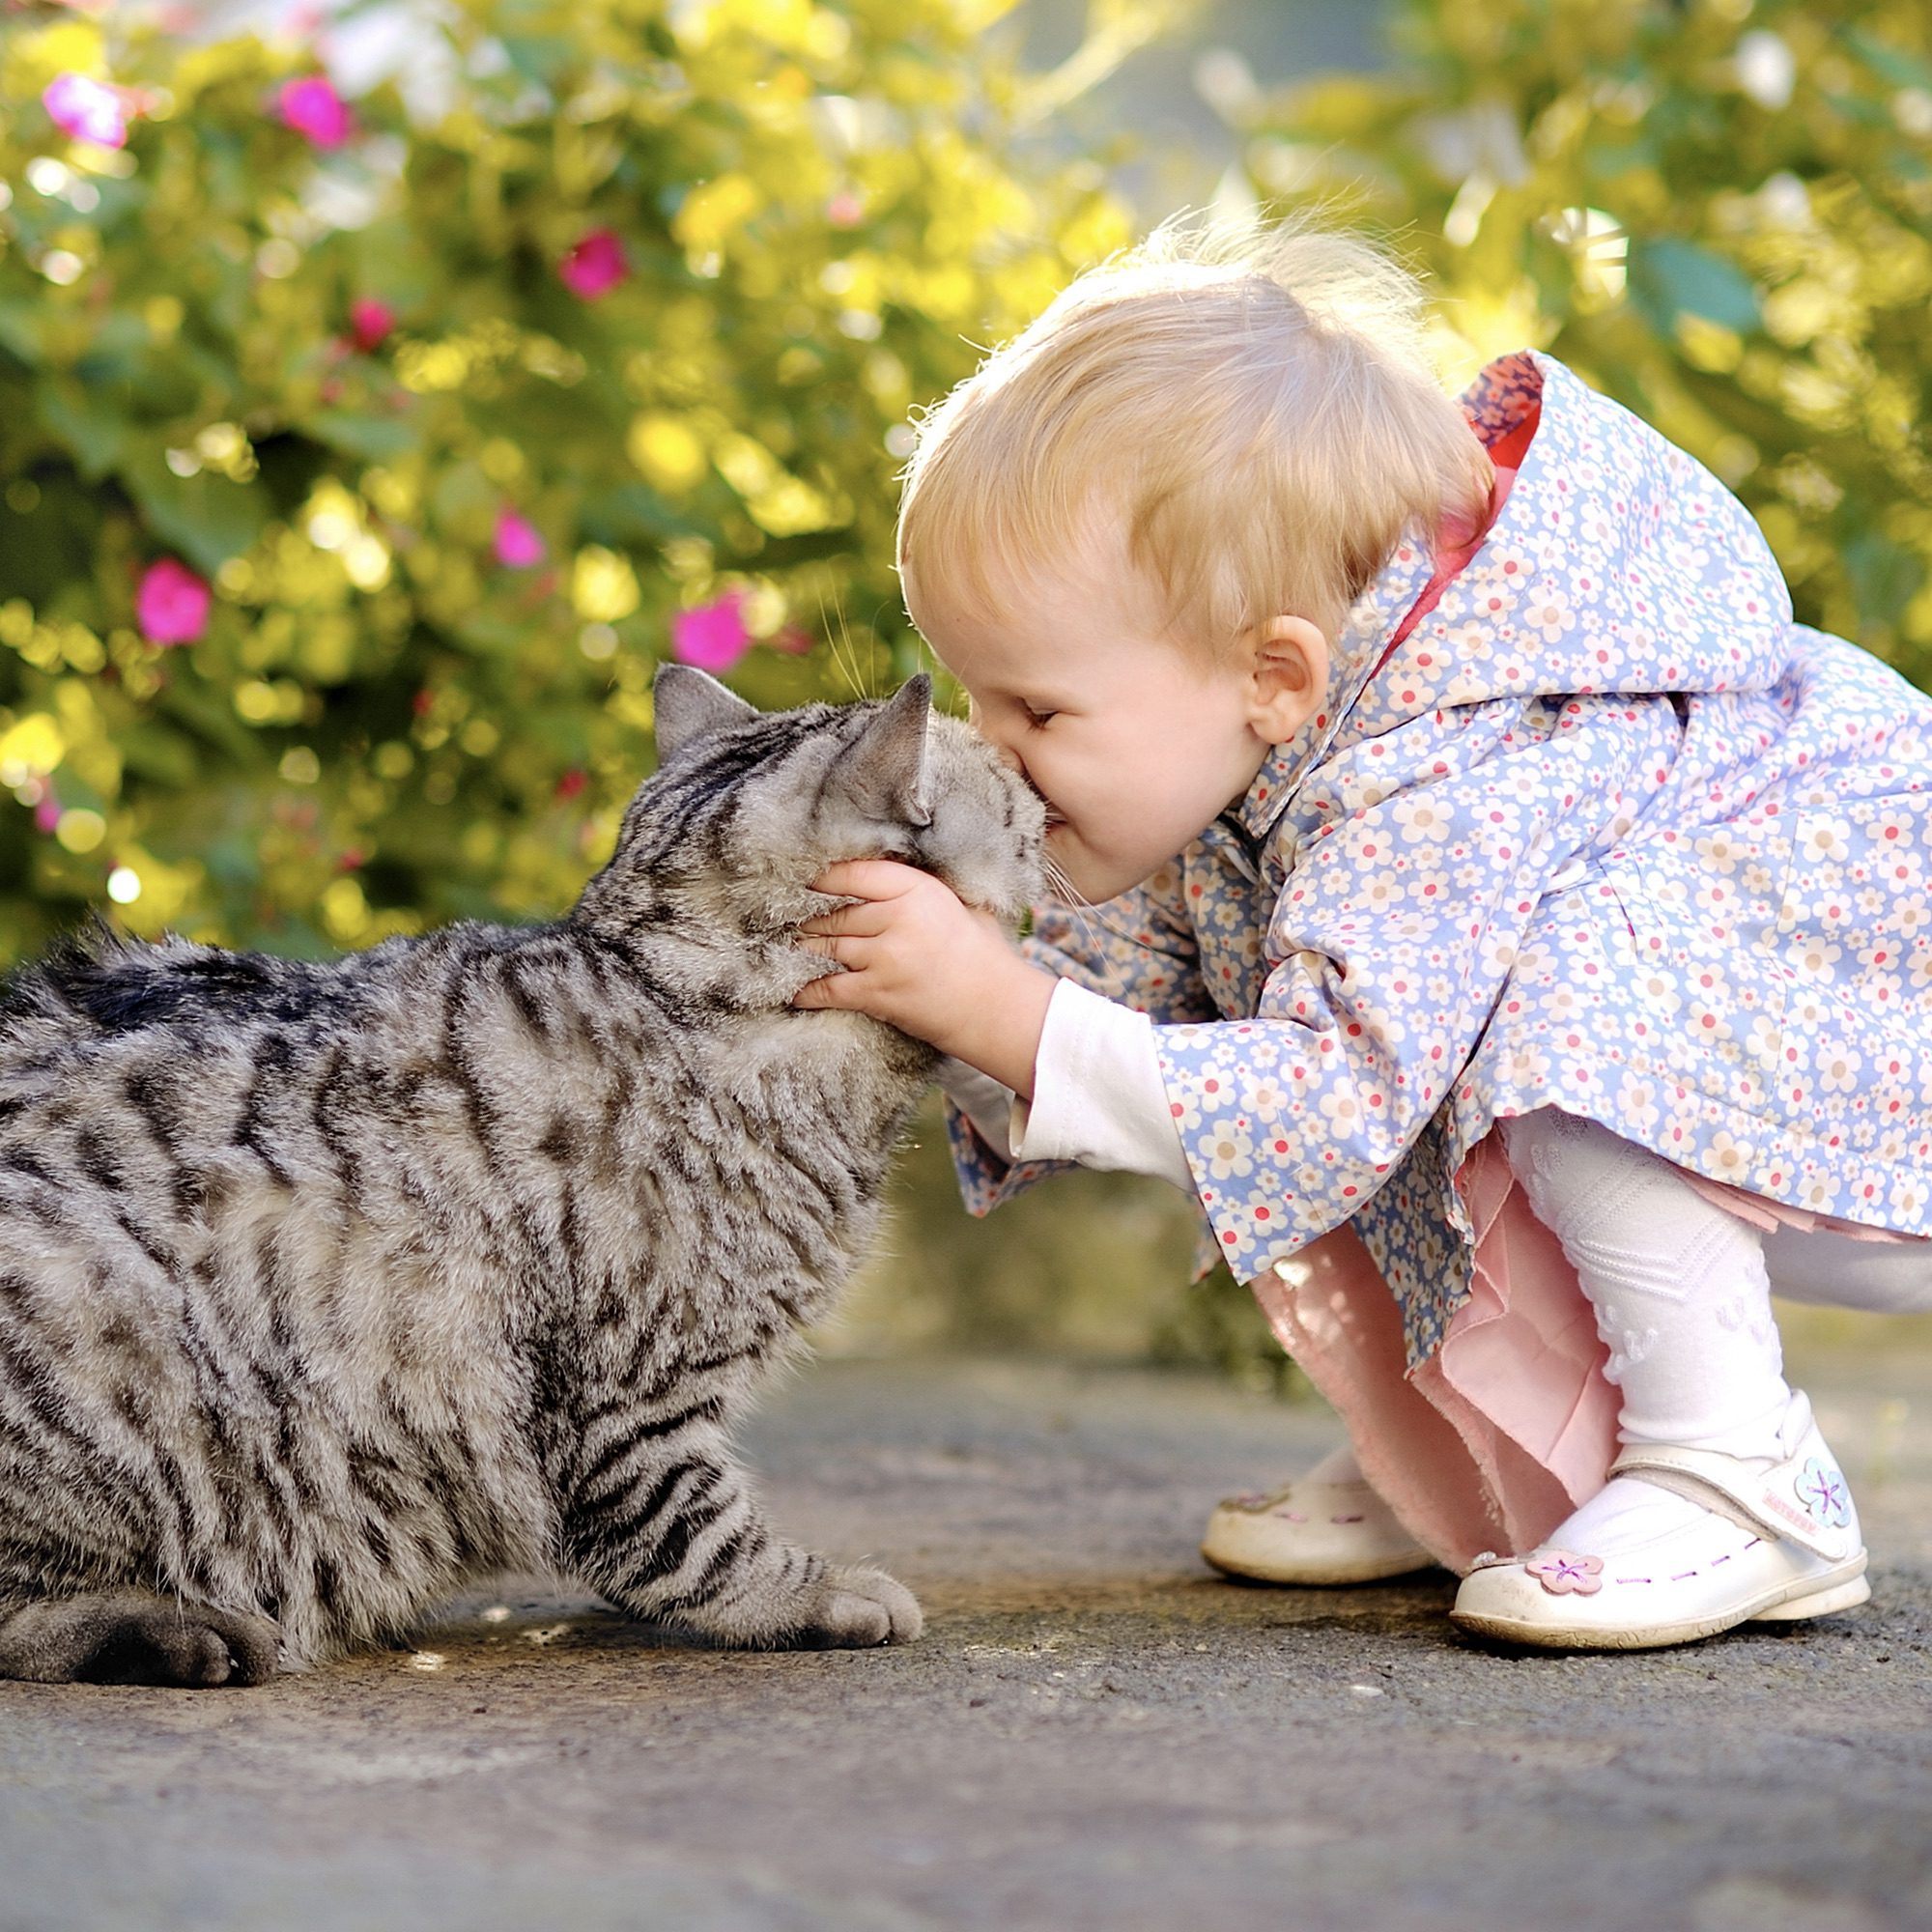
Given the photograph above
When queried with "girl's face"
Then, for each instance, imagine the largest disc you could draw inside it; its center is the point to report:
(1135, 742)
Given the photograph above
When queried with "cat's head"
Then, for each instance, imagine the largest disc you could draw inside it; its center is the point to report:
(748, 805)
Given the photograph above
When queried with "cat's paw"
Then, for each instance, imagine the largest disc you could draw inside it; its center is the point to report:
(129, 1636)
(190, 1645)
(858, 1608)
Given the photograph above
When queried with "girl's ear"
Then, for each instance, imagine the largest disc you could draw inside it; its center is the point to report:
(1291, 678)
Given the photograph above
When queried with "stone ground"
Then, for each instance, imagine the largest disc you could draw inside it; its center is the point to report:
(1095, 1732)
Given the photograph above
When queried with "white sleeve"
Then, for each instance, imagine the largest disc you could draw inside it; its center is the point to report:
(1098, 1094)
(986, 1102)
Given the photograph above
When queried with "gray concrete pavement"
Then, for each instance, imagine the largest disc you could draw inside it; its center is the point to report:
(1095, 1732)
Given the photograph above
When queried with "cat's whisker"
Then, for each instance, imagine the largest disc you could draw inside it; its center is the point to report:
(829, 622)
(844, 654)
(1086, 915)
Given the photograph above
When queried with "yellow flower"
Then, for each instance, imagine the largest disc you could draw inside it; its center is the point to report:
(668, 451)
(602, 588)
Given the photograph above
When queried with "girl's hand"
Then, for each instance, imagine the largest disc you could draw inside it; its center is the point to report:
(919, 958)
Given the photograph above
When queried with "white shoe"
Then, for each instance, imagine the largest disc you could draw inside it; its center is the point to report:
(1682, 1543)
(1328, 1527)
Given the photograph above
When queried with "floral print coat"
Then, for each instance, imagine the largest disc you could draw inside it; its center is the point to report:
(1606, 830)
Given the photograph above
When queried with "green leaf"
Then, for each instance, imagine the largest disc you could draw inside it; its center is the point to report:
(153, 751)
(1885, 576)
(541, 58)
(1669, 277)
(493, 636)
(117, 349)
(463, 494)
(20, 325)
(207, 713)
(205, 516)
(370, 438)
(81, 420)
(1891, 64)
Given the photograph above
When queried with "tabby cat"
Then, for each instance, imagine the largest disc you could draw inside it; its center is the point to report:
(326, 1288)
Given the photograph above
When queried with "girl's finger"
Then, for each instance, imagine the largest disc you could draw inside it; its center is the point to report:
(867, 878)
(850, 953)
(865, 921)
(819, 993)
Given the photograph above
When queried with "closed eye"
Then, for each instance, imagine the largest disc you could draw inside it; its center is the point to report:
(1034, 718)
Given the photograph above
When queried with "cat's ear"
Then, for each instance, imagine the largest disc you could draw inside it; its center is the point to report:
(884, 771)
(688, 704)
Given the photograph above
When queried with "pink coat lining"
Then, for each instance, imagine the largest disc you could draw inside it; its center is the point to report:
(1496, 1438)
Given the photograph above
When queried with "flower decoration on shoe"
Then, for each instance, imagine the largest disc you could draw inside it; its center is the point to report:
(1253, 1502)
(1561, 1572)
(1822, 1490)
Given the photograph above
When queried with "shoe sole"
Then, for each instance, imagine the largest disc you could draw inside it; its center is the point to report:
(1315, 1577)
(1847, 1596)
(1842, 1589)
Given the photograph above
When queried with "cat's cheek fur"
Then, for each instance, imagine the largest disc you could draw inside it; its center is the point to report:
(328, 1289)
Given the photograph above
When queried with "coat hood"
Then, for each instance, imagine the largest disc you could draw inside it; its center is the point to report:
(1617, 563)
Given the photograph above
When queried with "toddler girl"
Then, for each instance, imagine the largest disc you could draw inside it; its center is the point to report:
(1472, 888)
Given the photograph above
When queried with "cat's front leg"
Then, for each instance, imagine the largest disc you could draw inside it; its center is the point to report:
(681, 1538)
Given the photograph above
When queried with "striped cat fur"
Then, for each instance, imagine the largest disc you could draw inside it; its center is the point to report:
(328, 1289)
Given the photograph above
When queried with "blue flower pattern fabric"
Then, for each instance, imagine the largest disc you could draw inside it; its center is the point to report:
(1606, 830)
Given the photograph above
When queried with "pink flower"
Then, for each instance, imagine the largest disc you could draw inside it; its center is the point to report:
(171, 604)
(846, 209)
(86, 109)
(595, 265)
(370, 322)
(517, 544)
(314, 109)
(1562, 1571)
(46, 815)
(793, 640)
(712, 637)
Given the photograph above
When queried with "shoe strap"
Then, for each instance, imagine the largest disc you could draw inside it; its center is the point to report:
(1794, 1501)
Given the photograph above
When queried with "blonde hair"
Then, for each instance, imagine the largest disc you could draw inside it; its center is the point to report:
(1254, 402)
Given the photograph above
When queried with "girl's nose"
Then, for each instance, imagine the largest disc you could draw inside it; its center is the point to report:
(1008, 757)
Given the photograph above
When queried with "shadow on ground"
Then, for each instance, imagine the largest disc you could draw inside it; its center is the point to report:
(1095, 1732)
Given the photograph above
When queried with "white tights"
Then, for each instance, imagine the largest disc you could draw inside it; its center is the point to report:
(1682, 1290)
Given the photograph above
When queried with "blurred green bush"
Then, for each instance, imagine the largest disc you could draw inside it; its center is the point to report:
(355, 474)
(1720, 211)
